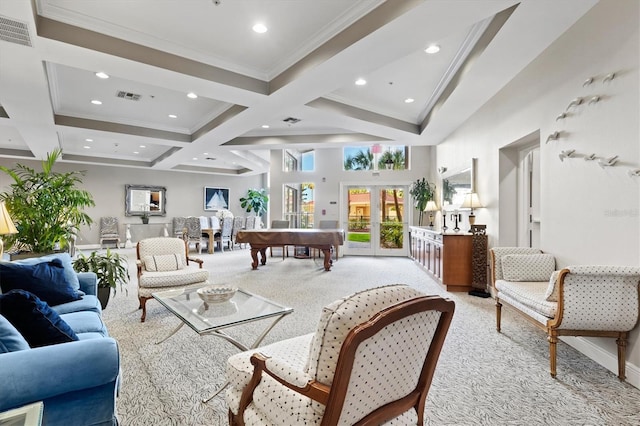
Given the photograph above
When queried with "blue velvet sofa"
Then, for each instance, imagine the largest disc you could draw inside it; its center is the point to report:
(78, 380)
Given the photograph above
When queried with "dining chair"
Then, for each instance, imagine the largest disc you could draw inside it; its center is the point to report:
(327, 224)
(194, 233)
(178, 226)
(280, 224)
(250, 223)
(238, 224)
(224, 237)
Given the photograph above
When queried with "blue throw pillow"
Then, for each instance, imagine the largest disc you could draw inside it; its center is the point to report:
(34, 319)
(71, 277)
(45, 279)
(10, 339)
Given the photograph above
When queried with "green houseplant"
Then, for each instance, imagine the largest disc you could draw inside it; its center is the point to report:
(110, 268)
(422, 191)
(46, 206)
(255, 201)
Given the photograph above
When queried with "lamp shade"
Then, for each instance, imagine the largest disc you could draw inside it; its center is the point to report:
(431, 206)
(6, 224)
(471, 201)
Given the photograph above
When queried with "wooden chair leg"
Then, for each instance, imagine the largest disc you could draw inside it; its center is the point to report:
(143, 306)
(498, 315)
(622, 346)
(553, 344)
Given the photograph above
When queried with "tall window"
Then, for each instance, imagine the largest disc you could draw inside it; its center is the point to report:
(376, 157)
(303, 161)
(299, 204)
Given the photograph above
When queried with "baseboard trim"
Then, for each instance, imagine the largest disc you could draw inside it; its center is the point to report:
(607, 359)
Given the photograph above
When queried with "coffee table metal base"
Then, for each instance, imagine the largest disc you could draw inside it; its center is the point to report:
(233, 341)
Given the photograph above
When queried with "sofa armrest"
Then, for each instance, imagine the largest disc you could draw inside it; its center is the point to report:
(297, 382)
(196, 260)
(45, 372)
(88, 282)
(597, 298)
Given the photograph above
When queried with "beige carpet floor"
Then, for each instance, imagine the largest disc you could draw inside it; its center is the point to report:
(483, 377)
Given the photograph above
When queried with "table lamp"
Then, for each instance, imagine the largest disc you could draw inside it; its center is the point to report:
(431, 207)
(471, 201)
(6, 226)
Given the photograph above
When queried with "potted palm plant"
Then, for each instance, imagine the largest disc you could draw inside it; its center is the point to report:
(110, 268)
(422, 191)
(46, 206)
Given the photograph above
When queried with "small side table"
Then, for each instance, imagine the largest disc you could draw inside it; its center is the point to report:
(27, 415)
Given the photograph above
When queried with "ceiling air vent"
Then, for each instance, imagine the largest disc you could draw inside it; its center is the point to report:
(14, 31)
(291, 120)
(128, 95)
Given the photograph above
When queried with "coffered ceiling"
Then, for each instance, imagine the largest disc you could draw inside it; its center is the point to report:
(298, 78)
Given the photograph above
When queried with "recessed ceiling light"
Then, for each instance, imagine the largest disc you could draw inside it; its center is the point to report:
(96, 102)
(259, 28)
(86, 147)
(173, 116)
(361, 82)
(143, 146)
(194, 158)
(88, 140)
(102, 75)
(265, 126)
(434, 48)
(192, 95)
(409, 100)
(136, 152)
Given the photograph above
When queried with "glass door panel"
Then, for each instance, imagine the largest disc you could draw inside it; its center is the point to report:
(392, 223)
(359, 220)
(376, 222)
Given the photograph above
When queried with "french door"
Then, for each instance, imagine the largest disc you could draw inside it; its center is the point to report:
(375, 220)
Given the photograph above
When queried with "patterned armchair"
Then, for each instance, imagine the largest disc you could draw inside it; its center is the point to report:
(586, 300)
(109, 230)
(371, 360)
(179, 223)
(163, 264)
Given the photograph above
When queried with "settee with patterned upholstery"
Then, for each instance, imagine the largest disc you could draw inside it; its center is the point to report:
(583, 300)
(163, 264)
(370, 361)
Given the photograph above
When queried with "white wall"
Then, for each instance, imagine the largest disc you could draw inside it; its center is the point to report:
(329, 174)
(185, 192)
(589, 215)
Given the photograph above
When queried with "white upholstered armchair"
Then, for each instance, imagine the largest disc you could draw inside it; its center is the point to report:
(584, 300)
(163, 264)
(371, 361)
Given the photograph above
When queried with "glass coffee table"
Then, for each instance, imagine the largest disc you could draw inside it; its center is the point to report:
(213, 318)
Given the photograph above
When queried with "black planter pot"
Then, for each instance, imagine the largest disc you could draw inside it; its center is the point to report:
(103, 296)
(145, 220)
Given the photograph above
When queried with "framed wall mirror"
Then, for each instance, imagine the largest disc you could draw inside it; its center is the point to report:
(142, 199)
(456, 185)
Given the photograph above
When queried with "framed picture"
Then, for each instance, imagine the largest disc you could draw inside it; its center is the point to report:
(216, 198)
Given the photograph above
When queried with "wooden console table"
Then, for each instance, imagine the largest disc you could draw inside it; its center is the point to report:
(446, 257)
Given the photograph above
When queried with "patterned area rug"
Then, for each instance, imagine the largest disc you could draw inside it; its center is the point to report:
(482, 378)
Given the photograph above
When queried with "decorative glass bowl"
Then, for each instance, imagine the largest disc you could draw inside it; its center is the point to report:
(216, 293)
